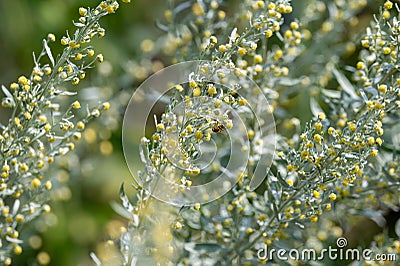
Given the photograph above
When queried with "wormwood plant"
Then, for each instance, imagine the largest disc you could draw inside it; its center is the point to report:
(344, 160)
(44, 124)
(340, 163)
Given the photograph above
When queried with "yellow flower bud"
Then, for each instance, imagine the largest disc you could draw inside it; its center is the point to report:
(332, 196)
(106, 106)
(314, 218)
(35, 183)
(82, 11)
(76, 105)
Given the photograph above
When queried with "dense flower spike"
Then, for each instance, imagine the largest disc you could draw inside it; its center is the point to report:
(40, 128)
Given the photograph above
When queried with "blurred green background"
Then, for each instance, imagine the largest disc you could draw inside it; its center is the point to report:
(82, 216)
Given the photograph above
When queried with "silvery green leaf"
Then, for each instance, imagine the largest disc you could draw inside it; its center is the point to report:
(95, 259)
(314, 106)
(195, 225)
(345, 83)
(289, 81)
(78, 24)
(371, 90)
(66, 93)
(74, 67)
(48, 52)
(183, 6)
(34, 58)
(144, 153)
(397, 228)
(125, 201)
(368, 31)
(7, 92)
(189, 246)
(16, 207)
(219, 218)
(121, 210)
(300, 225)
(232, 37)
(349, 155)
(362, 93)
(331, 93)
(161, 26)
(14, 240)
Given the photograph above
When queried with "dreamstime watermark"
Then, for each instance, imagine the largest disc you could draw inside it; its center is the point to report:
(340, 252)
(204, 106)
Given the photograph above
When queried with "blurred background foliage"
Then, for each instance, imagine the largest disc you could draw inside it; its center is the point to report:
(82, 217)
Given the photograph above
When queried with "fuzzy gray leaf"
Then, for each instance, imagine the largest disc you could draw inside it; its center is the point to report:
(48, 52)
(345, 83)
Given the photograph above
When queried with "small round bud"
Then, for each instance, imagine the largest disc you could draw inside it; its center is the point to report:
(51, 37)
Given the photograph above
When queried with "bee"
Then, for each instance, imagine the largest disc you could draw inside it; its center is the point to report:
(234, 94)
(218, 128)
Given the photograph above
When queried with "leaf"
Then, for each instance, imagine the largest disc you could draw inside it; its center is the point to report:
(34, 58)
(14, 240)
(121, 210)
(314, 106)
(219, 218)
(183, 6)
(16, 207)
(7, 92)
(289, 81)
(161, 26)
(331, 93)
(66, 93)
(232, 37)
(74, 67)
(194, 225)
(95, 259)
(397, 228)
(87, 111)
(125, 201)
(78, 24)
(371, 90)
(144, 153)
(48, 52)
(207, 247)
(365, 98)
(345, 83)
(300, 225)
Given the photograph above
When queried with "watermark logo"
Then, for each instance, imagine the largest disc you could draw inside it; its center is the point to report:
(340, 252)
(213, 105)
